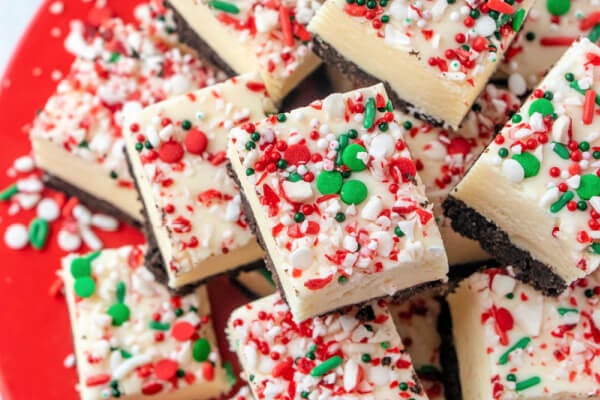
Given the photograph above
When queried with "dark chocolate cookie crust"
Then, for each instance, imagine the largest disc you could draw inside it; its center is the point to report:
(448, 357)
(188, 35)
(322, 49)
(88, 199)
(154, 260)
(473, 225)
(400, 295)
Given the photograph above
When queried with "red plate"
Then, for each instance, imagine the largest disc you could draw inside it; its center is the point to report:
(35, 334)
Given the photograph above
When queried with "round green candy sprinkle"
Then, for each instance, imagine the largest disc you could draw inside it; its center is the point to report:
(548, 95)
(224, 6)
(119, 313)
(342, 279)
(385, 19)
(178, 312)
(298, 217)
(503, 152)
(180, 373)
(282, 164)
(596, 155)
(530, 36)
(493, 14)
(531, 165)
(511, 378)
(305, 394)
(383, 126)
(516, 118)
(475, 13)
(255, 136)
(581, 205)
(371, 4)
(589, 293)
(349, 157)
(349, 1)
(113, 175)
(148, 145)
(340, 217)
(186, 124)
(589, 186)
(569, 77)
(9, 192)
(281, 117)
(407, 125)
(329, 182)
(294, 177)
(201, 350)
(38, 233)
(383, 3)
(311, 355)
(558, 7)
(403, 386)
(139, 146)
(346, 173)
(361, 2)
(250, 145)
(353, 192)
(352, 133)
(249, 171)
(80, 267)
(398, 232)
(510, 296)
(584, 146)
(326, 366)
(366, 358)
(369, 116)
(542, 106)
(466, 47)
(451, 1)
(385, 345)
(85, 286)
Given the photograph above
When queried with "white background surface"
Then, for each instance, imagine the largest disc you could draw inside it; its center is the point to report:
(14, 17)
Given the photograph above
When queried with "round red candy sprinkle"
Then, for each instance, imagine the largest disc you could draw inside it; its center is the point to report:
(297, 154)
(459, 145)
(479, 43)
(170, 152)
(196, 141)
(183, 331)
(151, 388)
(165, 369)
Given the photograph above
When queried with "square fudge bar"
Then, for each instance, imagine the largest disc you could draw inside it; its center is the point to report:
(533, 198)
(244, 36)
(193, 209)
(352, 354)
(134, 339)
(550, 28)
(337, 203)
(434, 56)
(514, 343)
(416, 320)
(77, 135)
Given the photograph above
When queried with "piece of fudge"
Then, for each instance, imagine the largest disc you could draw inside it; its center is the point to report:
(337, 203)
(434, 56)
(533, 198)
(514, 343)
(352, 354)
(193, 211)
(77, 135)
(550, 28)
(244, 36)
(132, 337)
(416, 320)
(255, 283)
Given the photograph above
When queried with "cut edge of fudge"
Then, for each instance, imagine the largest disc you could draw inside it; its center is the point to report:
(255, 283)
(472, 224)
(188, 31)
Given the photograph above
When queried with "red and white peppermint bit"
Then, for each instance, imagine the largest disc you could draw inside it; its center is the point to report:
(354, 353)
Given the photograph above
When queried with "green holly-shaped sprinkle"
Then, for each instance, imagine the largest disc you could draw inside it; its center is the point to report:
(531, 165)
(119, 311)
(589, 186)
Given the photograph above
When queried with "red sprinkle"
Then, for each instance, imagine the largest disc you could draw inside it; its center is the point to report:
(588, 107)
(557, 41)
(286, 25)
(96, 380)
(150, 388)
(165, 369)
(297, 154)
(196, 141)
(208, 371)
(183, 331)
(500, 6)
(318, 283)
(170, 152)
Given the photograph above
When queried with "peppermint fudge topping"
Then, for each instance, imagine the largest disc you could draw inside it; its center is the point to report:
(177, 149)
(337, 198)
(356, 353)
(134, 339)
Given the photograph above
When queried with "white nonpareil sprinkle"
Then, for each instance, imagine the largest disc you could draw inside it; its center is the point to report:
(16, 236)
(485, 25)
(69, 361)
(68, 241)
(48, 209)
(24, 164)
(30, 185)
(513, 171)
(517, 84)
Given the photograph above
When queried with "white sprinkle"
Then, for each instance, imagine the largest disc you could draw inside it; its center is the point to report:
(549, 197)
(27, 200)
(105, 222)
(350, 243)
(301, 258)
(24, 164)
(503, 284)
(90, 239)
(82, 214)
(152, 136)
(16, 236)
(48, 209)
(560, 128)
(537, 122)
(485, 25)
(372, 209)
(385, 243)
(30, 185)
(595, 202)
(129, 365)
(513, 171)
(517, 84)
(56, 7)
(69, 361)
(298, 191)
(596, 317)
(68, 241)
(382, 146)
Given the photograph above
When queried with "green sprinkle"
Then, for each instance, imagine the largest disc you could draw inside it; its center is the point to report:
(326, 366)
(510, 296)
(231, 378)
(350, 159)
(250, 145)
(589, 293)
(113, 175)
(371, 4)
(121, 292)
(353, 192)
(517, 19)
(125, 354)
(407, 125)
(581, 205)
(249, 171)
(282, 164)
(530, 36)
(561, 150)
(255, 136)
(594, 34)
(352, 133)
(38, 233)
(383, 126)
(369, 118)
(340, 217)
(385, 19)
(558, 7)
(294, 177)
(561, 202)
(503, 152)
(201, 350)
(120, 314)
(403, 386)
(548, 95)
(186, 124)
(224, 6)
(329, 182)
(114, 57)
(429, 370)
(385, 345)
(178, 312)
(9, 192)
(589, 186)
(80, 267)
(516, 118)
(584, 146)
(569, 77)
(342, 143)
(520, 344)
(527, 383)
(159, 326)
(366, 358)
(311, 355)
(281, 117)
(511, 377)
(298, 217)
(575, 85)
(342, 279)
(305, 394)
(181, 373)
(542, 106)
(85, 287)
(531, 165)
(148, 145)
(398, 231)
(562, 311)
(475, 13)
(139, 146)
(389, 106)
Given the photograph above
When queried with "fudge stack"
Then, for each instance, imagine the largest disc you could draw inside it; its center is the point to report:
(432, 232)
